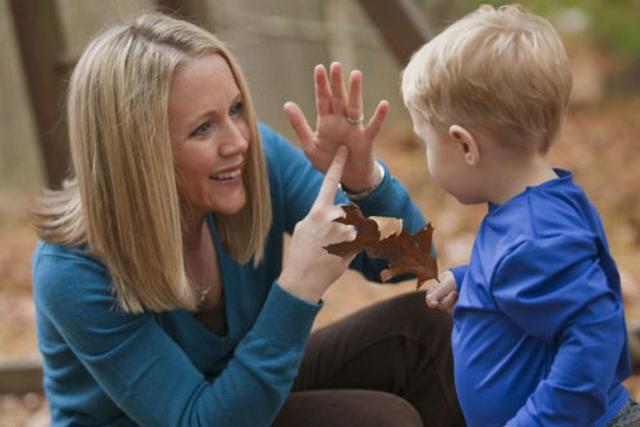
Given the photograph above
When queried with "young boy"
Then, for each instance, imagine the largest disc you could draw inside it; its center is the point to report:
(539, 337)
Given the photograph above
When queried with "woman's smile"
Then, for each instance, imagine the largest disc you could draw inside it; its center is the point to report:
(230, 175)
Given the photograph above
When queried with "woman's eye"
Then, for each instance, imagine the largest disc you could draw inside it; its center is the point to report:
(201, 130)
(236, 109)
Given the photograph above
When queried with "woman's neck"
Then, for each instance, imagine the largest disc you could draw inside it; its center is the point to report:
(194, 225)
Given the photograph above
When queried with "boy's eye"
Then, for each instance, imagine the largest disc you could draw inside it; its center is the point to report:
(201, 130)
(236, 109)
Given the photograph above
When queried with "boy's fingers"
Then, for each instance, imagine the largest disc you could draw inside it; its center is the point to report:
(449, 301)
(429, 297)
(439, 291)
(430, 301)
(332, 178)
(445, 303)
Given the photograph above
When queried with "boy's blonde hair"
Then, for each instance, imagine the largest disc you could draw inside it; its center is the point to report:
(501, 70)
(123, 201)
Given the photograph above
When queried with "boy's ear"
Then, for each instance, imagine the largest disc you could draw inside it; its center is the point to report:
(467, 143)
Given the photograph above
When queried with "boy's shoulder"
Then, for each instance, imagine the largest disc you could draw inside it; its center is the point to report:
(555, 213)
(551, 207)
(561, 207)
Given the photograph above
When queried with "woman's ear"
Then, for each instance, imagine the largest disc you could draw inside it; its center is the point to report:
(467, 144)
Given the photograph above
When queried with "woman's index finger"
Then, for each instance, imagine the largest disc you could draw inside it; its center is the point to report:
(332, 178)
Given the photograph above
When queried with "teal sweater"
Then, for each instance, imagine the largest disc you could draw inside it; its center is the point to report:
(106, 367)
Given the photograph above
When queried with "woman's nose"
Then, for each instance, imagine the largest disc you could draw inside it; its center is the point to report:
(236, 139)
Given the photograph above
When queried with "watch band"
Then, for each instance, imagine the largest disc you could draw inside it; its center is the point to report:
(364, 193)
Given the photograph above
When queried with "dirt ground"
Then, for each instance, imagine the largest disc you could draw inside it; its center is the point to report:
(599, 145)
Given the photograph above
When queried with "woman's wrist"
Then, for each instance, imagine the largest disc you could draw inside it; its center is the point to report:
(362, 193)
(299, 288)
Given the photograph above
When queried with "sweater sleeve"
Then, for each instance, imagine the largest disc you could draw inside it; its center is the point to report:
(148, 375)
(301, 184)
(555, 289)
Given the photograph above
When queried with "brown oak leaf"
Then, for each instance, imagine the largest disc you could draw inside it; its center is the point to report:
(367, 232)
(406, 253)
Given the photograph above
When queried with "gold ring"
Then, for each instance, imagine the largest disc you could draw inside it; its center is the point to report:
(357, 121)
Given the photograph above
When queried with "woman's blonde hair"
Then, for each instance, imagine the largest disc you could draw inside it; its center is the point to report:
(503, 70)
(123, 201)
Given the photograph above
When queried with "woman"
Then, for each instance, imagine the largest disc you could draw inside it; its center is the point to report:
(160, 289)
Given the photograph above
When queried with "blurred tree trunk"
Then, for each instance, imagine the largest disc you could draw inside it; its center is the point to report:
(40, 44)
(401, 23)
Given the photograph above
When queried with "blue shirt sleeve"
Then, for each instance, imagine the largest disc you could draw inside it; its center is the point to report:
(148, 375)
(555, 289)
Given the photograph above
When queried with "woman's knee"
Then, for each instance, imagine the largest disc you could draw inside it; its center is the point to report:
(353, 408)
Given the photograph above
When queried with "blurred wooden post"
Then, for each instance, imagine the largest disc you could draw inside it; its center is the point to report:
(20, 376)
(195, 11)
(40, 45)
(401, 23)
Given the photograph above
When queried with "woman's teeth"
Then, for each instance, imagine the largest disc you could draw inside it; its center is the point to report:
(227, 175)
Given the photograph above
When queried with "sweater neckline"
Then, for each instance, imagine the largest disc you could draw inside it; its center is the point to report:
(564, 177)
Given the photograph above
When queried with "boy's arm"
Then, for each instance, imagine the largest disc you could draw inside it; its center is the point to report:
(555, 289)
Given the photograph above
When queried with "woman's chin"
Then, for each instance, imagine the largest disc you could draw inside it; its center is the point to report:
(229, 206)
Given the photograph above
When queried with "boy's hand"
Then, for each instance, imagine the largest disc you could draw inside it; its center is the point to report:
(443, 295)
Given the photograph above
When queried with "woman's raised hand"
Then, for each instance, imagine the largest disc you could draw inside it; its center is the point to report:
(340, 121)
(309, 269)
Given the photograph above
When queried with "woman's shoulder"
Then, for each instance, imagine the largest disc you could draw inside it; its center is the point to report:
(276, 147)
(62, 258)
(63, 271)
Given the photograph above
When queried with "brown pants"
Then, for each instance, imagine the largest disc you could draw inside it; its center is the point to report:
(386, 365)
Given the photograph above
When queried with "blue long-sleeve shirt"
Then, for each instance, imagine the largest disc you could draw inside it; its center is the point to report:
(106, 367)
(539, 337)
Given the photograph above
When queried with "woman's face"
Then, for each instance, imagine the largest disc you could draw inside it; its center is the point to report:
(209, 135)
